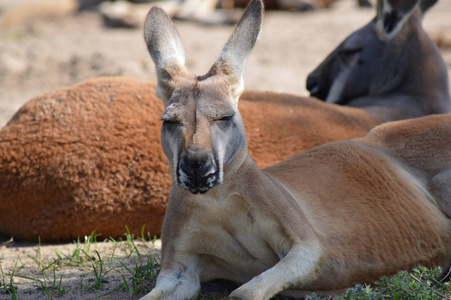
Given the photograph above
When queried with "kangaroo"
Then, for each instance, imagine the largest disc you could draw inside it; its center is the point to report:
(343, 213)
(278, 127)
(390, 67)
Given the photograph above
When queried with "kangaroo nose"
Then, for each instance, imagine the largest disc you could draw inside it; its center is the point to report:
(312, 84)
(197, 172)
(196, 168)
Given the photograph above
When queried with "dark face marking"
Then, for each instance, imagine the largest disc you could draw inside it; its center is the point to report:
(390, 20)
(251, 218)
(198, 171)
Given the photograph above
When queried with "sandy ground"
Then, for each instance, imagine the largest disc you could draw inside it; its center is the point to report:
(51, 53)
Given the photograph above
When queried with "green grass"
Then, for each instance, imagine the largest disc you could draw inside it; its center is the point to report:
(422, 283)
(130, 266)
(9, 287)
(139, 275)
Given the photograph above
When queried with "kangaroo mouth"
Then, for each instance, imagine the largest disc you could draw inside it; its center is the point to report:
(314, 92)
(319, 93)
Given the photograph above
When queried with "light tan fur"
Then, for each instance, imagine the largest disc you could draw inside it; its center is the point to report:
(342, 213)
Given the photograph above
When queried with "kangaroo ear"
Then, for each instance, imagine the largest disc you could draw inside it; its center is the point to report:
(426, 4)
(166, 49)
(393, 14)
(230, 63)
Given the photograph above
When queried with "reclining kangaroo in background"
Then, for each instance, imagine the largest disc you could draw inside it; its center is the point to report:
(390, 67)
(343, 213)
(73, 161)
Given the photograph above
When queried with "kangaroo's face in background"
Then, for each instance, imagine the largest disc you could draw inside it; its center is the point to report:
(348, 71)
(378, 58)
(202, 132)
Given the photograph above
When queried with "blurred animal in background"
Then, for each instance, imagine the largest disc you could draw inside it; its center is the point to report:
(205, 11)
(387, 67)
(130, 13)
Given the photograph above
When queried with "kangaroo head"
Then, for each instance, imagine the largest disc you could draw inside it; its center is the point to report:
(377, 58)
(202, 130)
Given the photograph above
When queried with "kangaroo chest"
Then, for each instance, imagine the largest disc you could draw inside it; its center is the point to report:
(235, 236)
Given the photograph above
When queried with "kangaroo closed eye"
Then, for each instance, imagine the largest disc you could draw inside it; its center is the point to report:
(226, 118)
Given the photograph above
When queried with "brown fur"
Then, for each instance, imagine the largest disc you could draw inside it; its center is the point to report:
(88, 157)
(380, 202)
(81, 159)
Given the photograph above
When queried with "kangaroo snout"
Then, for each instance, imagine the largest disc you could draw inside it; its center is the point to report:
(197, 171)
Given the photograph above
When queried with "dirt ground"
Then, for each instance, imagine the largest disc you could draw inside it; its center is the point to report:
(50, 53)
